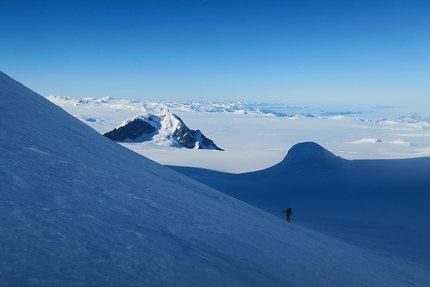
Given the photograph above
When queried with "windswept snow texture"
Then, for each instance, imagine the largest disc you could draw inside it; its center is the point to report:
(382, 205)
(79, 209)
(165, 128)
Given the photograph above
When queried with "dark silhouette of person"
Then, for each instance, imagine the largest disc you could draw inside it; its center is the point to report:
(288, 212)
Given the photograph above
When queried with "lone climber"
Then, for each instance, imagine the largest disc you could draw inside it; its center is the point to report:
(289, 212)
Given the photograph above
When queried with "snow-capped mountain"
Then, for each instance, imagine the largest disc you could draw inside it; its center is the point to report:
(164, 128)
(424, 122)
(80, 210)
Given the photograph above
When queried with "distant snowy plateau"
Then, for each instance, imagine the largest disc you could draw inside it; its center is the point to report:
(258, 135)
(78, 209)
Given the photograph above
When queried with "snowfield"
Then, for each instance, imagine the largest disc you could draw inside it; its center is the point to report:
(80, 209)
(381, 205)
(256, 136)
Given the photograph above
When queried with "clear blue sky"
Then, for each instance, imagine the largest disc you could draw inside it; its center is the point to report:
(271, 51)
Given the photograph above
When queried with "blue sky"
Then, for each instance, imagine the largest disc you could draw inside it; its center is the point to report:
(375, 52)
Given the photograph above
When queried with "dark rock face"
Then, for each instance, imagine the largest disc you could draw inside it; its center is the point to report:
(184, 136)
(133, 130)
(194, 138)
(204, 140)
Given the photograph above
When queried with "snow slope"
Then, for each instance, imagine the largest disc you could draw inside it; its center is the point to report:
(379, 204)
(79, 209)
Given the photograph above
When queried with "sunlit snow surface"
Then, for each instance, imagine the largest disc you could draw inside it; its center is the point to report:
(258, 135)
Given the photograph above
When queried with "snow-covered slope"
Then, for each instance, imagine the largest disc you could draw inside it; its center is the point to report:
(165, 128)
(379, 204)
(79, 209)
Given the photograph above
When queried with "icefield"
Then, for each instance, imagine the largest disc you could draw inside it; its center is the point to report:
(258, 135)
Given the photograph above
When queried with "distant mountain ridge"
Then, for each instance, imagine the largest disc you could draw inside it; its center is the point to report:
(251, 108)
(164, 128)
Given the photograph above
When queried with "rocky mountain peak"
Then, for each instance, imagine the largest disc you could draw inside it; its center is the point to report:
(165, 127)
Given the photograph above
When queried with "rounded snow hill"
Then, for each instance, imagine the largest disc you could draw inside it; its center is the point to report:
(311, 154)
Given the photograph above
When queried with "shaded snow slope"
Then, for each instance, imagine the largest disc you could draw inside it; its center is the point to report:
(164, 128)
(380, 204)
(79, 209)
